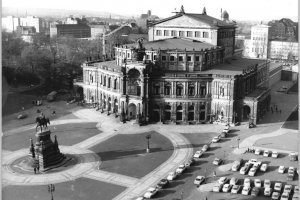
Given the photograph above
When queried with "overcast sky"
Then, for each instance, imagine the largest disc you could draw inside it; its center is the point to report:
(264, 10)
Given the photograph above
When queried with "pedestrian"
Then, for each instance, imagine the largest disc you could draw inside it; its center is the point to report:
(38, 168)
(34, 169)
(276, 108)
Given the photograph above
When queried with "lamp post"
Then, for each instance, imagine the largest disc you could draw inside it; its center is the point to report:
(238, 142)
(51, 189)
(148, 137)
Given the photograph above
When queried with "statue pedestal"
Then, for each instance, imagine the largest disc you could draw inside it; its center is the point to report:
(46, 151)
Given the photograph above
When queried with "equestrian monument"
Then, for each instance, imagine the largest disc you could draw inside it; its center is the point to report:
(46, 152)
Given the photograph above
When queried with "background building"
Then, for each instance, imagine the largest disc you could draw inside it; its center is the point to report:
(10, 23)
(284, 29)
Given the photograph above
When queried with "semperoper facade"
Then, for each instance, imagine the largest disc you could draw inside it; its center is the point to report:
(187, 73)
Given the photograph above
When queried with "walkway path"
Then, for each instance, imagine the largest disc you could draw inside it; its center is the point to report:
(89, 162)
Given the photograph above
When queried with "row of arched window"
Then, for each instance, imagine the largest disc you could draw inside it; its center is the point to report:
(179, 89)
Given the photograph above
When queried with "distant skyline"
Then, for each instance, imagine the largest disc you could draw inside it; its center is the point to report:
(255, 10)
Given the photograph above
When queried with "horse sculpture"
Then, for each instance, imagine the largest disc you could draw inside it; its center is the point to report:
(42, 122)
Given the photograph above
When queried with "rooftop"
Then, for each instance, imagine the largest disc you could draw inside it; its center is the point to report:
(176, 43)
(233, 67)
(201, 18)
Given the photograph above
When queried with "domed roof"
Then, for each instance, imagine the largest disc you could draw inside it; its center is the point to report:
(225, 15)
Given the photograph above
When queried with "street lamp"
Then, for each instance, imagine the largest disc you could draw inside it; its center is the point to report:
(148, 137)
(51, 189)
(238, 141)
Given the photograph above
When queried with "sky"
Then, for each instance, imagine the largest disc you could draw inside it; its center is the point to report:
(256, 10)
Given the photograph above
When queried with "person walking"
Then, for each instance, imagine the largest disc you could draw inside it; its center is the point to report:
(34, 169)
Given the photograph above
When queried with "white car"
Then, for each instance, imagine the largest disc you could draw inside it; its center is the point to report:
(291, 170)
(180, 169)
(217, 161)
(246, 190)
(267, 183)
(233, 181)
(252, 161)
(275, 195)
(227, 187)
(140, 198)
(247, 182)
(171, 176)
(199, 180)
(275, 154)
(236, 165)
(205, 148)
(252, 171)
(257, 151)
(285, 196)
(150, 193)
(235, 189)
(287, 189)
(215, 139)
(264, 167)
(296, 189)
(198, 154)
(217, 187)
(257, 183)
(295, 196)
(226, 129)
(278, 187)
(223, 180)
(268, 191)
(281, 169)
(266, 153)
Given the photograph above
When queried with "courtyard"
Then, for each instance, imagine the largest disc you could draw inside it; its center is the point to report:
(122, 169)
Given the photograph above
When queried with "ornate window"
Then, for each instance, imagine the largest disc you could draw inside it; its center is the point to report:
(179, 90)
(202, 89)
(173, 33)
(156, 89)
(167, 89)
(222, 90)
(108, 84)
(191, 90)
(104, 81)
(158, 32)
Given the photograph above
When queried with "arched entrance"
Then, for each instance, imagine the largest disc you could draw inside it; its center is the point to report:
(134, 83)
(191, 113)
(109, 104)
(167, 114)
(132, 111)
(179, 113)
(156, 115)
(246, 112)
(115, 106)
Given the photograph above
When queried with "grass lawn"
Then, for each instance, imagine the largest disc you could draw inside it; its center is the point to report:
(126, 154)
(80, 189)
(67, 134)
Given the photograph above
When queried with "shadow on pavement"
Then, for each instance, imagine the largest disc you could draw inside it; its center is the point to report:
(164, 193)
(175, 184)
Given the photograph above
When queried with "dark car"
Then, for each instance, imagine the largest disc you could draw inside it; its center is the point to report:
(162, 184)
(255, 191)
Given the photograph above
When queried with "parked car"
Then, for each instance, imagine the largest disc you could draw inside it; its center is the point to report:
(287, 189)
(255, 191)
(290, 176)
(233, 181)
(140, 198)
(253, 161)
(295, 196)
(268, 191)
(180, 169)
(227, 187)
(171, 176)
(296, 189)
(291, 169)
(257, 183)
(217, 187)
(150, 193)
(235, 189)
(226, 129)
(275, 154)
(275, 195)
(244, 170)
(198, 154)
(278, 187)
(252, 171)
(281, 169)
(247, 182)
(199, 180)
(257, 152)
(162, 184)
(266, 153)
(267, 183)
(205, 148)
(246, 190)
(236, 165)
(223, 180)
(264, 167)
(217, 161)
(215, 139)
(285, 196)
(293, 156)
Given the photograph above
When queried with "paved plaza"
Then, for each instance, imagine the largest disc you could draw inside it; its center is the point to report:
(94, 137)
